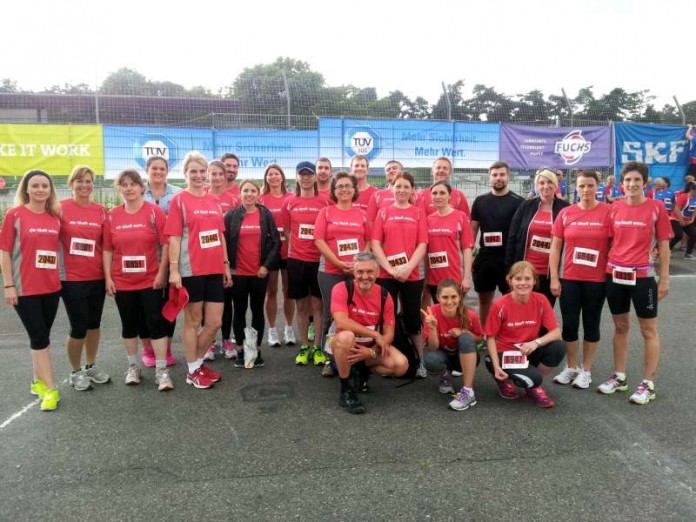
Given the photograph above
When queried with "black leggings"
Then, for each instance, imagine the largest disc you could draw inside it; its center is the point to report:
(410, 293)
(690, 231)
(586, 297)
(226, 328)
(248, 290)
(84, 303)
(678, 233)
(37, 313)
(144, 329)
(134, 306)
(549, 355)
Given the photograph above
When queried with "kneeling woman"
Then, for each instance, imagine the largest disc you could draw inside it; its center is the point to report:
(253, 248)
(517, 356)
(452, 330)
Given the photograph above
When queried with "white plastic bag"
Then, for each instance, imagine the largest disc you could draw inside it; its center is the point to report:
(250, 349)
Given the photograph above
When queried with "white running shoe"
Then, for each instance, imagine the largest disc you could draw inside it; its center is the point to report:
(583, 380)
(421, 372)
(163, 380)
(133, 374)
(567, 376)
(290, 335)
(210, 353)
(273, 339)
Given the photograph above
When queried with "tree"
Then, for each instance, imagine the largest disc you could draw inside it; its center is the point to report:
(126, 81)
(8, 85)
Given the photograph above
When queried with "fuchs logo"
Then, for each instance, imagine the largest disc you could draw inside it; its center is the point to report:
(155, 145)
(572, 147)
(362, 140)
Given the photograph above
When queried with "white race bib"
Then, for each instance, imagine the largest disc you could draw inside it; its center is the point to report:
(281, 234)
(306, 232)
(624, 276)
(82, 247)
(209, 239)
(492, 239)
(585, 256)
(397, 259)
(365, 340)
(438, 260)
(540, 244)
(347, 247)
(133, 264)
(46, 259)
(514, 360)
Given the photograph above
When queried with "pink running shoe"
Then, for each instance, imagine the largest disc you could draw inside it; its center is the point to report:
(210, 373)
(539, 397)
(171, 360)
(199, 379)
(148, 356)
(507, 389)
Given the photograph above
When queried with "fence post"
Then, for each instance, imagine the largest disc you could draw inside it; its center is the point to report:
(681, 111)
(447, 100)
(570, 107)
(287, 97)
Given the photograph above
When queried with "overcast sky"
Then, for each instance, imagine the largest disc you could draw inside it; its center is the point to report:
(514, 46)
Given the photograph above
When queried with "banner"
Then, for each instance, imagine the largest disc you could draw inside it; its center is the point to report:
(525, 147)
(664, 148)
(413, 143)
(56, 149)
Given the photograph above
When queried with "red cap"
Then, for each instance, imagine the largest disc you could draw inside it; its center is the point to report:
(175, 304)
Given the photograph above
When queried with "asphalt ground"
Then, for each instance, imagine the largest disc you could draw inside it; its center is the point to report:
(272, 443)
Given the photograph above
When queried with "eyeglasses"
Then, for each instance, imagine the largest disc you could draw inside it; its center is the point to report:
(339, 188)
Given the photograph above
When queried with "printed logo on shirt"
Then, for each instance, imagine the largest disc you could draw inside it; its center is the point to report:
(540, 244)
(492, 239)
(46, 259)
(347, 247)
(585, 256)
(306, 232)
(438, 260)
(399, 259)
(82, 247)
(209, 238)
(133, 264)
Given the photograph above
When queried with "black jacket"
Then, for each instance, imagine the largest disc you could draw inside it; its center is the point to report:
(517, 238)
(270, 240)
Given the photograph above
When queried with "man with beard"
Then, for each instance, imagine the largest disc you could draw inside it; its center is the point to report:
(492, 215)
(231, 162)
(323, 166)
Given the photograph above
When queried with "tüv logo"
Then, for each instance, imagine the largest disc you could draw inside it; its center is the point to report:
(362, 140)
(572, 147)
(155, 145)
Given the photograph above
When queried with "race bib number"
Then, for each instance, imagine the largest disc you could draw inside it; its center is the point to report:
(492, 239)
(209, 238)
(691, 208)
(133, 264)
(668, 203)
(46, 259)
(514, 360)
(624, 276)
(365, 340)
(585, 256)
(281, 233)
(397, 259)
(438, 260)
(306, 232)
(540, 244)
(347, 247)
(82, 247)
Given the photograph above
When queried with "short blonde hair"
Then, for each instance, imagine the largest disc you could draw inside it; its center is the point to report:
(522, 266)
(78, 172)
(194, 157)
(548, 175)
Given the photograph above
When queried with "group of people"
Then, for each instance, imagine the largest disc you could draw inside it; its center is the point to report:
(362, 265)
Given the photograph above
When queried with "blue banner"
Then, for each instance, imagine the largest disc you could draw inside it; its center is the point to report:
(663, 148)
(413, 143)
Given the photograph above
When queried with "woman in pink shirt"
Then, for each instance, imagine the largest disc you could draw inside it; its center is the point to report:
(29, 246)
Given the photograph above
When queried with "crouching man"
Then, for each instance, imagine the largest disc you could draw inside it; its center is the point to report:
(364, 316)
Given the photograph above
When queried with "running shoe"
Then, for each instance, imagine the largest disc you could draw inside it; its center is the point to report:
(349, 400)
(302, 357)
(210, 353)
(456, 373)
(463, 400)
(50, 400)
(199, 379)
(96, 375)
(290, 339)
(614, 384)
(318, 356)
(328, 370)
(643, 394)
(230, 349)
(171, 360)
(445, 385)
(148, 356)
(38, 388)
(310, 332)
(133, 374)
(273, 339)
(210, 373)
(689, 256)
(163, 380)
(539, 397)
(506, 389)
(80, 381)
(567, 376)
(421, 372)
(239, 361)
(259, 362)
(583, 380)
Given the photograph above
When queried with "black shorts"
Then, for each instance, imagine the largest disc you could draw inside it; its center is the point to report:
(302, 279)
(37, 313)
(643, 295)
(208, 288)
(84, 303)
(488, 272)
(283, 264)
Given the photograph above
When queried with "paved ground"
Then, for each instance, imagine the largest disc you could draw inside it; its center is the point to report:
(272, 444)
